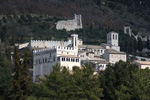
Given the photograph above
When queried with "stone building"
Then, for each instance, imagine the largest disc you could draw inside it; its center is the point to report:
(113, 56)
(45, 56)
(73, 53)
(70, 25)
(142, 64)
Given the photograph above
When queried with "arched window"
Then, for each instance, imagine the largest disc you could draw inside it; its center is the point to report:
(113, 36)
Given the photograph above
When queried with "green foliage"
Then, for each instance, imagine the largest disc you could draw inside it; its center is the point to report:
(21, 84)
(140, 44)
(127, 43)
(125, 81)
(35, 98)
(5, 76)
(138, 87)
(115, 77)
(143, 35)
(135, 32)
(62, 85)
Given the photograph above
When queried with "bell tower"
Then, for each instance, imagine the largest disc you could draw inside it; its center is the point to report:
(112, 38)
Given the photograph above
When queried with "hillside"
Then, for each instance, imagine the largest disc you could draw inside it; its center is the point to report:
(102, 13)
(23, 20)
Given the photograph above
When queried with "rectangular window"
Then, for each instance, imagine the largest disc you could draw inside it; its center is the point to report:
(58, 59)
(39, 61)
(72, 60)
(43, 60)
(67, 59)
(63, 59)
(77, 60)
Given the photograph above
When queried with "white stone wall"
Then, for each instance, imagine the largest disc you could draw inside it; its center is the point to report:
(97, 52)
(47, 44)
(66, 51)
(144, 66)
(43, 61)
(117, 48)
(113, 58)
(24, 45)
(69, 62)
(101, 67)
(127, 30)
(69, 25)
(80, 42)
(112, 38)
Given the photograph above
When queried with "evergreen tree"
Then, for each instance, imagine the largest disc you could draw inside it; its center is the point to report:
(80, 84)
(140, 44)
(125, 81)
(148, 43)
(115, 77)
(137, 88)
(5, 76)
(20, 85)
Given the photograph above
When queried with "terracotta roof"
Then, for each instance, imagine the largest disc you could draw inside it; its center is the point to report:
(71, 56)
(142, 62)
(91, 46)
(112, 51)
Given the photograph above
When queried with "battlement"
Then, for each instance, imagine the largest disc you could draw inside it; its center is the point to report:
(48, 44)
(36, 41)
(45, 50)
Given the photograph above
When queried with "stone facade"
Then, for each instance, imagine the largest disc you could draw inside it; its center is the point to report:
(46, 55)
(112, 40)
(127, 30)
(73, 53)
(113, 56)
(70, 25)
(142, 64)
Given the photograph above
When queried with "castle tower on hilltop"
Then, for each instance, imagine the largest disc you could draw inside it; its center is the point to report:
(74, 41)
(70, 25)
(78, 19)
(127, 30)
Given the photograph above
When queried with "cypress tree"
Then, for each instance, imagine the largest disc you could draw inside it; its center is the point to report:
(140, 44)
(20, 85)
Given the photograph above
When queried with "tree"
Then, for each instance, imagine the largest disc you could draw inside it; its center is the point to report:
(138, 87)
(148, 43)
(87, 85)
(140, 44)
(116, 76)
(5, 76)
(62, 85)
(20, 85)
(125, 81)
